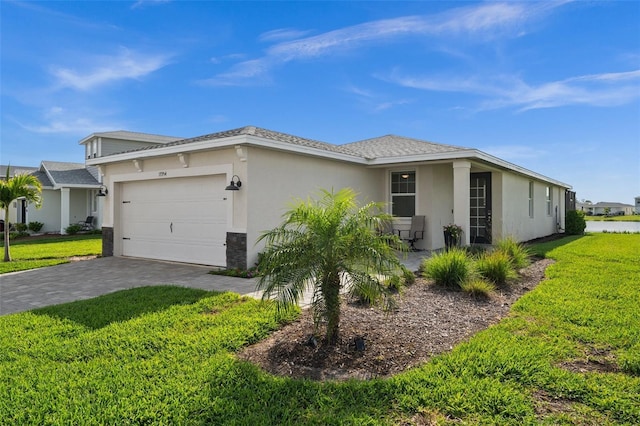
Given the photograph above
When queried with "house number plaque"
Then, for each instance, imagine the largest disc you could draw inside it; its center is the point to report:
(161, 174)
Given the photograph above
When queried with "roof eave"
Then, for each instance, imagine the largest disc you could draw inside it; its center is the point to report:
(228, 142)
(469, 154)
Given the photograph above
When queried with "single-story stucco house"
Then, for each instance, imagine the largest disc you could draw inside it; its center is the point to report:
(68, 196)
(606, 207)
(169, 199)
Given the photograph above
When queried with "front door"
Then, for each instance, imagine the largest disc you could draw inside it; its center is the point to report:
(480, 212)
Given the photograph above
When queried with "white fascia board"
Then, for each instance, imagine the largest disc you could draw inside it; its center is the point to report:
(518, 169)
(76, 185)
(470, 154)
(51, 179)
(229, 142)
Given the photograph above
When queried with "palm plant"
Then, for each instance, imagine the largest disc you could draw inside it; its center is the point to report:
(12, 188)
(326, 246)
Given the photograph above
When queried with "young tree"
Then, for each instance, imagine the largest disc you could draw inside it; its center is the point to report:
(12, 188)
(325, 245)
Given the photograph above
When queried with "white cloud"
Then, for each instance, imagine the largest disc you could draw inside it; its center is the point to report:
(487, 20)
(282, 34)
(60, 120)
(607, 89)
(125, 65)
(142, 3)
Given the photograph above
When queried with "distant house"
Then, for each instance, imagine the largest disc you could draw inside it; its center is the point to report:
(637, 204)
(68, 196)
(207, 199)
(604, 207)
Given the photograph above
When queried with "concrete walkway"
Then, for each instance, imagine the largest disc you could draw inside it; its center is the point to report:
(22, 291)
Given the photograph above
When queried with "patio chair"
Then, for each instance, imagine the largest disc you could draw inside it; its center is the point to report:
(87, 225)
(386, 228)
(416, 232)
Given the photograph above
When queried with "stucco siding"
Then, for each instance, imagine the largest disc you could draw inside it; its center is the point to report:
(114, 146)
(275, 179)
(516, 220)
(48, 213)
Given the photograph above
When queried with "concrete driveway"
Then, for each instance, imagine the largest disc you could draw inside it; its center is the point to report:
(22, 291)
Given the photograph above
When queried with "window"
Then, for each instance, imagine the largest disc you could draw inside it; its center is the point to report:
(531, 199)
(93, 201)
(549, 200)
(403, 194)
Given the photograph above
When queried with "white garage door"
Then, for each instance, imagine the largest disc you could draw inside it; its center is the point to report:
(178, 219)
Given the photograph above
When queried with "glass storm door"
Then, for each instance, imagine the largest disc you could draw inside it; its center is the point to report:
(480, 211)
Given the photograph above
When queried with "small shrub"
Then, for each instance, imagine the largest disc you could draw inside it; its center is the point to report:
(478, 287)
(449, 269)
(575, 223)
(21, 227)
(496, 267)
(73, 229)
(14, 235)
(408, 276)
(518, 254)
(35, 226)
(395, 283)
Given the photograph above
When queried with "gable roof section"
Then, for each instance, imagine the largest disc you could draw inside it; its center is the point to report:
(15, 170)
(68, 174)
(393, 146)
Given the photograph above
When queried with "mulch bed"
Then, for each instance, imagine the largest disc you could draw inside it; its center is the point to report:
(428, 321)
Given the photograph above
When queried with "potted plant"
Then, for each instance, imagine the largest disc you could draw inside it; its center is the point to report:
(452, 234)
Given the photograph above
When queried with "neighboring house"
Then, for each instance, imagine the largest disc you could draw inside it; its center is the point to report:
(637, 199)
(603, 207)
(169, 201)
(68, 196)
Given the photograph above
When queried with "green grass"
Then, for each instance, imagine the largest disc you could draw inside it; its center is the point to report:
(163, 355)
(31, 253)
(629, 218)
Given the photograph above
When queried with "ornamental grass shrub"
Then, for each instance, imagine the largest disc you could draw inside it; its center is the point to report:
(450, 268)
(518, 253)
(478, 287)
(496, 267)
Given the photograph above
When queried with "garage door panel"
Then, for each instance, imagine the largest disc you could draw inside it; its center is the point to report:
(180, 219)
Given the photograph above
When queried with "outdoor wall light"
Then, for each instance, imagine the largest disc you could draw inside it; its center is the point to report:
(235, 184)
(102, 192)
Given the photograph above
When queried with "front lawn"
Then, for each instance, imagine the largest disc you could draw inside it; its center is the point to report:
(569, 353)
(34, 252)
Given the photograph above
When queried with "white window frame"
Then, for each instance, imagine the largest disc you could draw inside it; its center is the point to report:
(549, 199)
(403, 194)
(531, 195)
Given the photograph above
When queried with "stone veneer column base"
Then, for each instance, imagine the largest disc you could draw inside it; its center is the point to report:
(107, 241)
(236, 250)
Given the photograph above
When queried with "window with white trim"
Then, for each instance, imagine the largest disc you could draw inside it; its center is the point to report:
(403, 193)
(531, 199)
(549, 199)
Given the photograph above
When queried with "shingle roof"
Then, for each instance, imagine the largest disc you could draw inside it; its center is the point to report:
(14, 170)
(396, 146)
(68, 173)
(259, 132)
(43, 178)
(384, 146)
(610, 204)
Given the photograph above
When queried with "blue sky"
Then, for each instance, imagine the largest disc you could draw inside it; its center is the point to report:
(553, 86)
